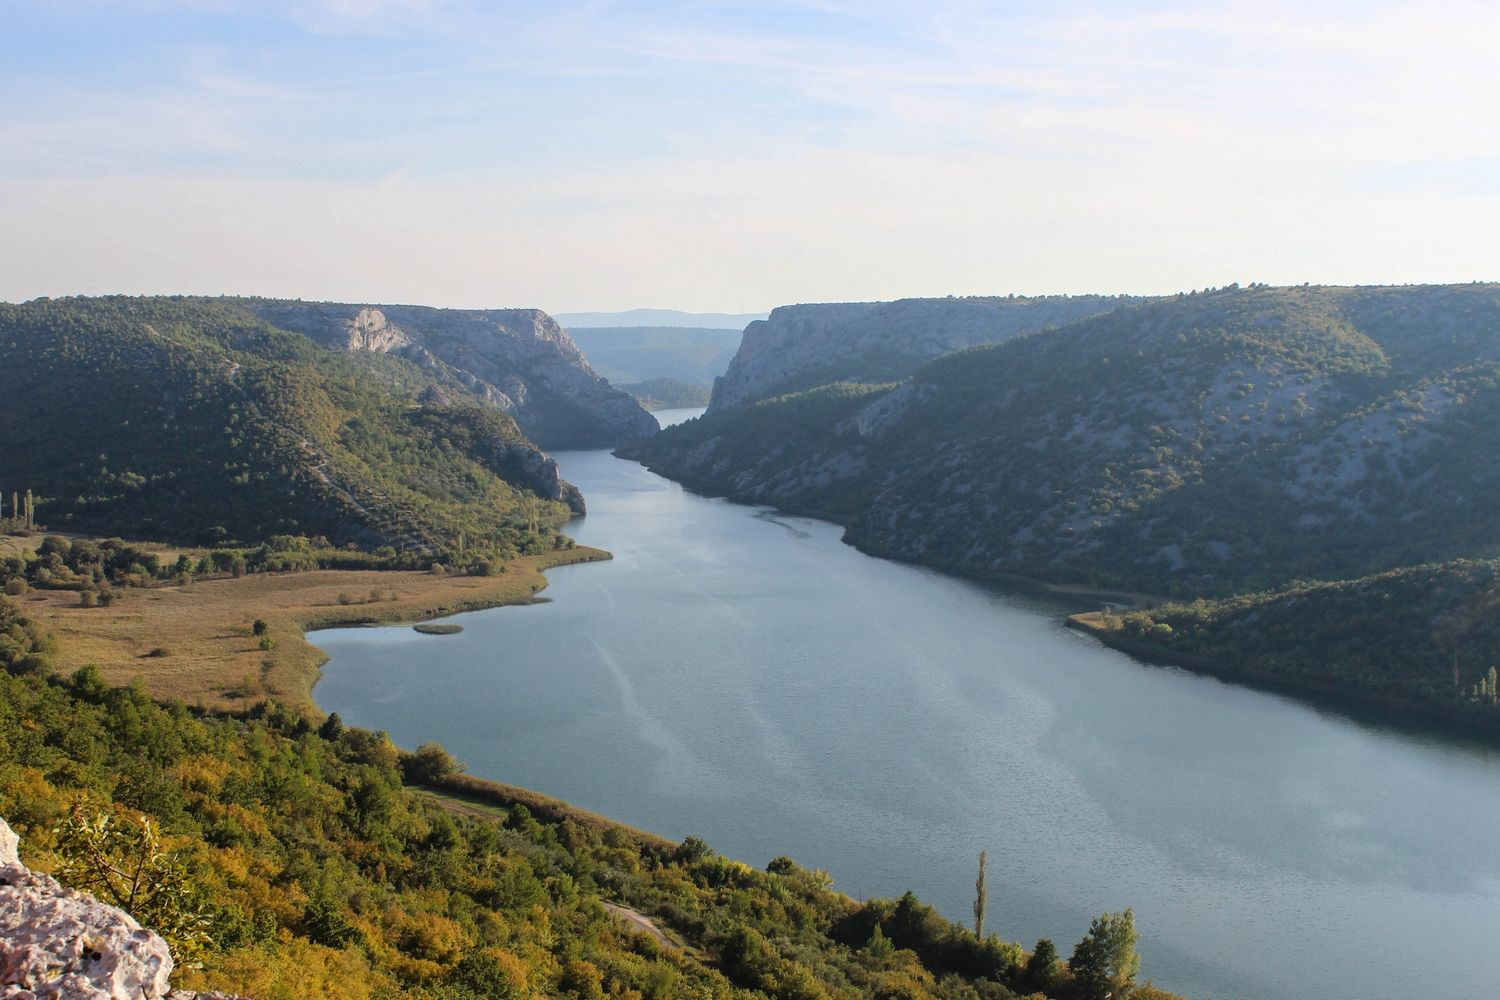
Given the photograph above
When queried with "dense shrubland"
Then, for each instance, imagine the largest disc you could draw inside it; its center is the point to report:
(1423, 636)
(295, 862)
(194, 421)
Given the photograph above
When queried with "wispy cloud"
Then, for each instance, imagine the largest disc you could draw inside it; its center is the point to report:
(735, 154)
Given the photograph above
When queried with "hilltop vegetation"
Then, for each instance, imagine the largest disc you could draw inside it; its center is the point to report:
(194, 420)
(1201, 446)
(303, 866)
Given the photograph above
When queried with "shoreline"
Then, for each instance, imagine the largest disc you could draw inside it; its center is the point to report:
(1394, 711)
(196, 644)
(1391, 710)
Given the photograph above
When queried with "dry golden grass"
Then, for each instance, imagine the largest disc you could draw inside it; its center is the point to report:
(195, 643)
(19, 544)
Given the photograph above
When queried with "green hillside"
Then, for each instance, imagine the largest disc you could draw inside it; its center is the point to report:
(295, 863)
(193, 420)
(1201, 446)
(1426, 636)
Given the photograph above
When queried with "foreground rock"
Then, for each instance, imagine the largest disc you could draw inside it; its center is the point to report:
(57, 943)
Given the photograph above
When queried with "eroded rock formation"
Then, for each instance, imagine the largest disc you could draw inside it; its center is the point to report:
(57, 943)
(518, 359)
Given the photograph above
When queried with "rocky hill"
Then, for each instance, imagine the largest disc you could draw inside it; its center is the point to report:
(1202, 445)
(197, 420)
(517, 359)
(802, 346)
(637, 354)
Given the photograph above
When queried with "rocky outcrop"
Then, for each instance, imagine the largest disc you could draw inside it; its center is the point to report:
(534, 469)
(517, 359)
(802, 346)
(57, 943)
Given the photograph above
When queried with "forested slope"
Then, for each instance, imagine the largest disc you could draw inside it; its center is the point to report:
(296, 864)
(1424, 636)
(1201, 446)
(195, 420)
(802, 346)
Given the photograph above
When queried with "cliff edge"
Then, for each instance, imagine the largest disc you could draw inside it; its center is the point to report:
(57, 943)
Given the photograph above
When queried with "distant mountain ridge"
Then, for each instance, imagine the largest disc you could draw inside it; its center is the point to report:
(626, 354)
(802, 346)
(658, 317)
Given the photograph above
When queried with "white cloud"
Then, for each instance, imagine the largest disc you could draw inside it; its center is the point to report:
(957, 151)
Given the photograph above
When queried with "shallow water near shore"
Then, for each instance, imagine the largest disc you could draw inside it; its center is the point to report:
(745, 677)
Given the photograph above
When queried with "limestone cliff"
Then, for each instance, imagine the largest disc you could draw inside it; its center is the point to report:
(518, 359)
(802, 346)
(57, 944)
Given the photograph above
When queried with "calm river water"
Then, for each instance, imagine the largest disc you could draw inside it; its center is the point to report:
(747, 678)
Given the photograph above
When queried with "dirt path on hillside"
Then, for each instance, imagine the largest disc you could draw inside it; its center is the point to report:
(641, 923)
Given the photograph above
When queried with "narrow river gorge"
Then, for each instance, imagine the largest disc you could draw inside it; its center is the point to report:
(747, 678)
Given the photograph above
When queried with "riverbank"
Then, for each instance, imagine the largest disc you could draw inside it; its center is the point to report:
(197, 643)
(1379, 707)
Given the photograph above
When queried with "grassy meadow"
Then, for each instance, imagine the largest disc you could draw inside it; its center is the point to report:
(196, 643)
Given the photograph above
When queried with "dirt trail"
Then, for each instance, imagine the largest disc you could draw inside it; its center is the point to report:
(640, 922)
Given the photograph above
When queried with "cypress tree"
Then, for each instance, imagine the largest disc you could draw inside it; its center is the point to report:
(981, 897)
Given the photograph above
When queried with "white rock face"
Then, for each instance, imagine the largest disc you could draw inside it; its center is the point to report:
(57, 944)
(9, 844)
(518, 359)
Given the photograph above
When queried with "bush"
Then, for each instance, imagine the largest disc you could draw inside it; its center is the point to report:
(428, 764)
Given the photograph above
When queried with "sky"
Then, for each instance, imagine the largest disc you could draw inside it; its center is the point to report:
(728, 156)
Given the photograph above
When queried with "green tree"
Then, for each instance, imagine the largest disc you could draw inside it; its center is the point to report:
(429, 763)
(1105, 962)
(127, 865)
(981, 897)
(1041, 968)
(332, 727)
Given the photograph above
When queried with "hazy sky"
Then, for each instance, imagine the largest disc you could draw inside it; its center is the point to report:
(734, 156)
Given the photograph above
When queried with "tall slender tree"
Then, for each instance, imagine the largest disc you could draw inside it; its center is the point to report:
(981, 896)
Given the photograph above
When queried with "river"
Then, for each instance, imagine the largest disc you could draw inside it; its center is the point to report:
(746, 678)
